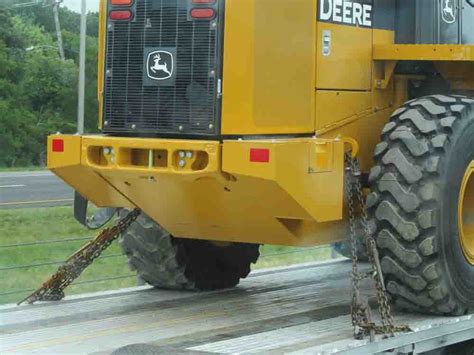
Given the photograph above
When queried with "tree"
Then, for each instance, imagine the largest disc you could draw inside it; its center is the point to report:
(38, 92)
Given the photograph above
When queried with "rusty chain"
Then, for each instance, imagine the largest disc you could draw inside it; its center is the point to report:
(53, 288)
(360, 309)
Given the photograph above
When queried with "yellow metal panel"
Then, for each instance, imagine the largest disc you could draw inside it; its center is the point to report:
(434, 52)
(333, 107)
(295, 199)
(122, 148)
(71, 154)
(268, 79)
(88, 183)
(349, 65)
(68, 166)
(293, 165)
(382, 37)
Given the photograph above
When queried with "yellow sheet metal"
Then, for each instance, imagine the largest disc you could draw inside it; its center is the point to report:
(269, 65)
(431, 52)
(296, 198)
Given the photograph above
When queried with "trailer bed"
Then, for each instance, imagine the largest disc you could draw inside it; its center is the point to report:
(298, 309)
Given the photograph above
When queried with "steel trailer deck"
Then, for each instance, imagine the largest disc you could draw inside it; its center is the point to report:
(299, 309)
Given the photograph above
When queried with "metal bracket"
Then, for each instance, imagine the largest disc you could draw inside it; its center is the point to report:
(97, 220)
(354, 145)
(389, 69)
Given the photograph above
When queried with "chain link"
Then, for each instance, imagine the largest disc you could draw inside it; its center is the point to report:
(53, 288)
(360, 310)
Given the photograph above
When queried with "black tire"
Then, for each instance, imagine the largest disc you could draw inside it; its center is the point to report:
(167, 262)
(419, 166)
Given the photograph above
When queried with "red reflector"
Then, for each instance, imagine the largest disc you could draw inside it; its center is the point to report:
(204, 13)
(204, 1)
(121, 2)
(120, 15)
(260, 155)
(58, 145)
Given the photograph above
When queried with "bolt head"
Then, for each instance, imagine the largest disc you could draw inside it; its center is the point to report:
(181, 128)
(134, 126)
(182, 163)
(189, 155)
(211, 126)
(182, 154)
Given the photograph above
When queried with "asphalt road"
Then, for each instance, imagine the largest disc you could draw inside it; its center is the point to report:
(33, 189)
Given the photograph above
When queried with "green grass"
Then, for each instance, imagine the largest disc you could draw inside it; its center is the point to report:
(57, 223)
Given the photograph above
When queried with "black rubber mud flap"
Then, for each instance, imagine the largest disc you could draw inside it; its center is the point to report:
(97, 220)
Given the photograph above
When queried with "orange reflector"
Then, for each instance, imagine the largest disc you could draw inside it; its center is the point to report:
(120, 15)
(204, 1)
(121, 2)
(203, 13)
(259, 155)
(58, 145)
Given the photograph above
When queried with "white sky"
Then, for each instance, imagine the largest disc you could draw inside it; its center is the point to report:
(75, 5)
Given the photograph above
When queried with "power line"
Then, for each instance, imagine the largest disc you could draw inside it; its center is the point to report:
(30, 4)
(41, 242)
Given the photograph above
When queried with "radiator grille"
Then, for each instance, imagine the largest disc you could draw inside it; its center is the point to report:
(187, 104)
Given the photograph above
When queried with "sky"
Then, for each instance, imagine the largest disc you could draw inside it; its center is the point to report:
(75, 5)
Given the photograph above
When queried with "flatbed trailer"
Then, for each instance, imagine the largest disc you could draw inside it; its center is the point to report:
(301, 309)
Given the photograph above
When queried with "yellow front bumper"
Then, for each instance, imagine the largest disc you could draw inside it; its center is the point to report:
(284, 191)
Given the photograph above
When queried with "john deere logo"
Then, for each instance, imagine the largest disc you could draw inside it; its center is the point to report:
(448, 11)
(346, 12)
(160, 65)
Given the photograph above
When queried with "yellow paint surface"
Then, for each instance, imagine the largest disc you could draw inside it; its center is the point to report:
(269, 64)
(294, 199)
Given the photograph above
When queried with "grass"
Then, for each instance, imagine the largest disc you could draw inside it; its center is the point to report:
(57, 223)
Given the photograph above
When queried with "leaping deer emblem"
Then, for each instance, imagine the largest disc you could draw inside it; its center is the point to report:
(159, 67)
(448, 12)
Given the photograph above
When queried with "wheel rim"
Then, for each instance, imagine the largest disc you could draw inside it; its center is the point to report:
(466, 214)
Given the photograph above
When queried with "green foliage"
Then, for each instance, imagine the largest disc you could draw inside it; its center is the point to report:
(30, 225)
(38, 91)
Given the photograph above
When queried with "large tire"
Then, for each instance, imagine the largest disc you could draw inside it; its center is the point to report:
(167, 262)
(419, 166)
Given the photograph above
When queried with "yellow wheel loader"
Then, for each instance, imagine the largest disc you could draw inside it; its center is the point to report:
(229, 123)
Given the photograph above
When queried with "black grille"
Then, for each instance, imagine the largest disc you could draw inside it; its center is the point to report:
(188, 102)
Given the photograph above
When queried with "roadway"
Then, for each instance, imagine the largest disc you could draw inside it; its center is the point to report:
(33, 189)
(302, 309)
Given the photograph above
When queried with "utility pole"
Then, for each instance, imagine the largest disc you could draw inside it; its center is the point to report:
(82, 71)
(58, 29)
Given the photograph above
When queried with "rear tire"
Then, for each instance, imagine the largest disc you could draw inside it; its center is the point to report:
(419, 166)
(167, 262)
